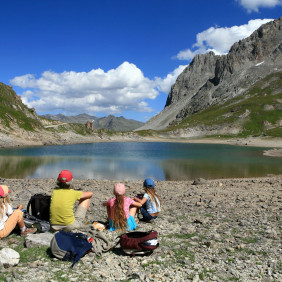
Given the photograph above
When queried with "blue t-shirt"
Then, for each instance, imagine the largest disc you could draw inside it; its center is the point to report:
(151, 207)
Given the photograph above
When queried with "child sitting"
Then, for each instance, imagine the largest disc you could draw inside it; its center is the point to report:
(121, 210)
(63, 199)
(150, 201)
(10, 218)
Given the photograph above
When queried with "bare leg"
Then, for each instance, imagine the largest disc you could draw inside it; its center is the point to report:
(84, 203)
(109, 213)
(132, 211)
(21, 223)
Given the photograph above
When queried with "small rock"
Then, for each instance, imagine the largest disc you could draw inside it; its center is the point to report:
(9, 257)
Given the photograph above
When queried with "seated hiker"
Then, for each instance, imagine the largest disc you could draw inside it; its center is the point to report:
(150, 201)
(63, 199)
(121, 210)
(10, 218)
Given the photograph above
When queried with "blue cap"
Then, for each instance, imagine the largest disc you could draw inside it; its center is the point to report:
(149, 183)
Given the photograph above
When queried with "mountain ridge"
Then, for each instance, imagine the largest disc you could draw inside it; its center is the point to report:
(212, 79)
(109, 122)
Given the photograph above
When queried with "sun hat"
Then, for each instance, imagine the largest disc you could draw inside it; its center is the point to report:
(65, 176)
(4, 191)
(149, 183)
(119, 189)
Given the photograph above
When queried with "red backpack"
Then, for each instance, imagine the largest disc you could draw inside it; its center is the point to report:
(139, 242)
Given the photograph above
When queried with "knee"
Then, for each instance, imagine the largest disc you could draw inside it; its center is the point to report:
(18, 213)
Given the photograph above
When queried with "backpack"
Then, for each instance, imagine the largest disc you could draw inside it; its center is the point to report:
(31, 221)
(139, 242)
(40, 206)
(70, 246)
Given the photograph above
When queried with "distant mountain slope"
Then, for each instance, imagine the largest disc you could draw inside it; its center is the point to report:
(14, 115)
(110, 122)
(257, 113)
(212, 80)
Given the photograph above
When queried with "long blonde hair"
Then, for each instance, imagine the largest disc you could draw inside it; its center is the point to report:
(119, 217)
(4, 203)
(153, 196)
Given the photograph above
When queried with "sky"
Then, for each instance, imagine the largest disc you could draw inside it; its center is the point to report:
(117, 57)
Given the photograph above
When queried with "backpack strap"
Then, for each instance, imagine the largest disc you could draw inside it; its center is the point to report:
(28, 205)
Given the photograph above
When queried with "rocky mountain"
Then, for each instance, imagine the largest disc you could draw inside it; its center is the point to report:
(211, 80)
(110, 122)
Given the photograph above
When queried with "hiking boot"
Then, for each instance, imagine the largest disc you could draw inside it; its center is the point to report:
(28, 231)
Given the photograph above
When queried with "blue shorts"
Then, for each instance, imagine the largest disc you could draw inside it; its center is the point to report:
(146, 215)
(131, 224)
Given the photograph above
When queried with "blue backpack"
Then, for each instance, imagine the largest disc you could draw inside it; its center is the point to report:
(70, 246)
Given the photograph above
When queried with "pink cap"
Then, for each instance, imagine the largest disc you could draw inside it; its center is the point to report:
(119, 189)
(4, 191)
(65, 176)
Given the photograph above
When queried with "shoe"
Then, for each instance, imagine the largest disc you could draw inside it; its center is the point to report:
(85, 221)
(28, 231)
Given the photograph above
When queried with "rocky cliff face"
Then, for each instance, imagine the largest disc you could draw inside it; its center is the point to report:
(211, 79)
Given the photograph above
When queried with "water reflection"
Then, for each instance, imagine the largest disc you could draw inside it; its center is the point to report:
(133, 161)
(188, 170)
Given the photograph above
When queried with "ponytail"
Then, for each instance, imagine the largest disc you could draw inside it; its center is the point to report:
(153, 196)
(4, 202)
(119, 217)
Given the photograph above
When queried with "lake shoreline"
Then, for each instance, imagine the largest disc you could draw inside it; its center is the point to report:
(273, 146)
(212, 230)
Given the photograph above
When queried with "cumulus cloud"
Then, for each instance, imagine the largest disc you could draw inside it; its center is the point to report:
(254, 5)
(117, 90)
(164, 84)
(220, 39)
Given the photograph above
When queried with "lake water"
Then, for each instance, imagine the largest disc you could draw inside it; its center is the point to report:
(138, 160)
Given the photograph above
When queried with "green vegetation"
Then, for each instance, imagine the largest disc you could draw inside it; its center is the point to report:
(246, 111)
(250, 240)
(180, 236)
(143, 133)
(13, 111)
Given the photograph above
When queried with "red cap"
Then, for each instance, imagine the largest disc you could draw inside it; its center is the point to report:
(65, 176)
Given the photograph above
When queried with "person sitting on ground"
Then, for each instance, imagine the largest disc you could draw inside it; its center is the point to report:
(121, 210)
(150, 201)
(10, 218)
(63, 199)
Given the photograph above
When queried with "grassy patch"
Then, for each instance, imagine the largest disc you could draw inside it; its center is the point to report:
(250, 240)
(180, 236)
(32, 254)
(205, 274)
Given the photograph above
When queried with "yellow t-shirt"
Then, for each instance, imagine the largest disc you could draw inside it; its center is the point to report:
(61, 208)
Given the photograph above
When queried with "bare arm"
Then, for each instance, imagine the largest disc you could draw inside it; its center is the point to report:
(137, 204)
(141, 201)
(86, 195)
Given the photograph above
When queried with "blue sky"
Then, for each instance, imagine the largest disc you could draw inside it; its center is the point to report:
(114, 56)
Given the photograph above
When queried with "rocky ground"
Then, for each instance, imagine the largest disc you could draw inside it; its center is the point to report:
(209, 230)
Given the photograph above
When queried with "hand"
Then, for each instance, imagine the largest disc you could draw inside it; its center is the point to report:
(20, 207)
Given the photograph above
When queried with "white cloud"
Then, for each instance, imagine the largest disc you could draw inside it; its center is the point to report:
(254, 5)
(121, 89)
(164, 84)
(220, 39)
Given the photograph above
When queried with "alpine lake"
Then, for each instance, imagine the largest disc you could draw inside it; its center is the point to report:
(138, 160)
